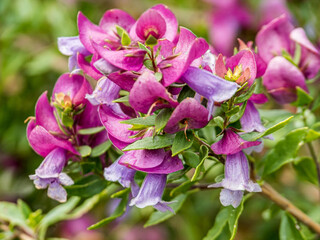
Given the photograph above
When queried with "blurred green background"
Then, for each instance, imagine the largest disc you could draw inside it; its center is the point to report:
(30, 63)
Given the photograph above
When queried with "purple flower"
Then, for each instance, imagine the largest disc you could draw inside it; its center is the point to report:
(213, 88)
(281, 79)
(236, 179)
(71, 46)
(250, 120)
(150, 193)
(49, 174)
(270, 9)
(231, 143)
(189, 114)
(155, 95)
(105, 92)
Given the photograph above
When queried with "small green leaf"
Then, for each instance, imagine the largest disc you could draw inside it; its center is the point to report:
(162, 119)
(148, 64)
(306, 169)
(219, 121)
(125, 39)
(84, 150)
(185, 93)
(151, 41)
(143, 121)
(288, 228)
(101, 149)
(10, 212)
(120, 210)
(158, 76)
(87, 186)
(158, 217)
(182, 142)
(239, 114)
(191, 158)
(143, 47)
(122, 99)
(284, 151)
(297, 54)
(233, 111)
(151, 143)
(182, 188)
(202, 156)
(90, 131)
(256, 135)
(24, 208)
(66, 120)
(247, 94)
(303, 98)
(312, 135)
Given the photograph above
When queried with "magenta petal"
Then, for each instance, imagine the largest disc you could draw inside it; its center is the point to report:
(114, 17)
(274, 37)
(44, 114)
(151, 161)
(299, 35)
(259, 98)
(282, 78)
(124, 80)
(246, 59)
(73, 85)
(152, 23)
(231, 143)
(171, 21)
(117, 131)
(190, 111)
(43, 142)
(188, 49)
(87, 68)
(152, 91)
(130, 60)
(250, 120)
(89, 33)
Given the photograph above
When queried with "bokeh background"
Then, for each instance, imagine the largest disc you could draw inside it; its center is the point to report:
(30, 63)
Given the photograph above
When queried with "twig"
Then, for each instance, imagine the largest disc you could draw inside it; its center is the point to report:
(286, 205)
(315, 159)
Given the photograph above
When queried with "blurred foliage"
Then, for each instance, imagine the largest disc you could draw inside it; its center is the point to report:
(30, 63)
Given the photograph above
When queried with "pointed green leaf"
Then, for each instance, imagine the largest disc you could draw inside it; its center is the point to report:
(191, 158)
(239, 114)
(84, 150)
(90, 131)
(303, 98)
(101, 149)
(288, 228)
(162, 119)
(156, 142)
(306, 169)
(203, 154)
(247, 94)
(122, 99)
(182, 142)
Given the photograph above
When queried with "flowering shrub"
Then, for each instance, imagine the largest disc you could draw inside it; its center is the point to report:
(147, 109)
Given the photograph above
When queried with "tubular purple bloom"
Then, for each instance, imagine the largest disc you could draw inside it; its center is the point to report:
(213, 88)
(151, 192)
(49, 173)
(189, 114)
(229, 197)
(282, 78)
(231, 143)
(125, 80)
(87, 68)
(105, 92)
(250, 120)
(154, 96)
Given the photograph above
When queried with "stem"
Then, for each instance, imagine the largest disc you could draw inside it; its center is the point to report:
(286, 205)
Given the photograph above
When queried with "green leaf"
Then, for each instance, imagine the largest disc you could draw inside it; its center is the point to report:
(90, 131)
(312, 135)
(284, 151)
(191, 158)
(227, 216)
(120, 210)
(10, 212)
(151, 41)
(87, 186)
(255, 135)
(24, 208)
(158, 217)
(316, 104)
(162, 119)
(122, 99)
(101, 149)
(182, 188)
(288, 228)
(239, 114)
(143, 47)
(303, 98)
(306, 169)
(148, 64)
(185, 93)
(84, 150)
(125, 39)
(233, 111)
(247, 94)
(141, 122)
(219, 121)
(66, 120)
(182, 142)
(202, 156)
(151, 143)
(158, 76)
(297, 54)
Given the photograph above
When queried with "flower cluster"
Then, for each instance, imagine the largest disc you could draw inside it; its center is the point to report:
(154, 82)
